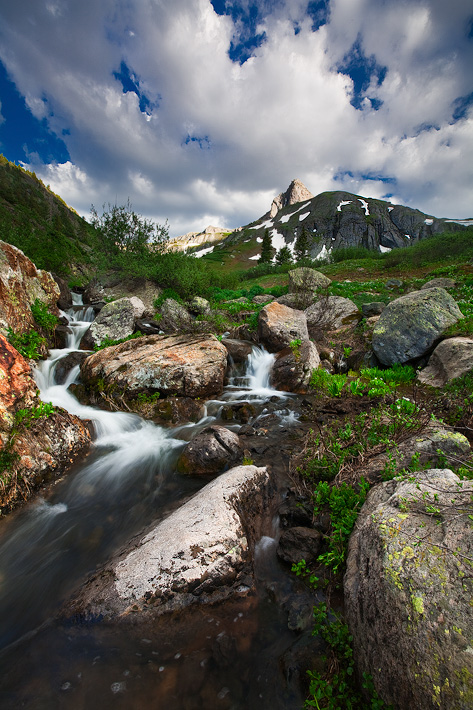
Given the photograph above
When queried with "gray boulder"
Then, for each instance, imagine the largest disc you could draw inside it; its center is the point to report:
(372, 309)
(185, 365)
(175, 318)
(199, 305)
(451, 358)
(262, 298)
(441, 283)
(306, 279)
(279, 325)
(332, 312)
(212, 451)
(408, 591)
(411, 325)
(293, 367)
(116, 321)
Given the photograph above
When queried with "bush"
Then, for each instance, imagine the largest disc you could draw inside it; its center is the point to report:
(349, 253)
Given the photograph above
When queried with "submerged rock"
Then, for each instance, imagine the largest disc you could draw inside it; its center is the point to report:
(411, 325)
(408, 591)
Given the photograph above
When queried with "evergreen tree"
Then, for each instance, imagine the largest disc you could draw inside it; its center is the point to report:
(301, 247)
(283, 256)
(266, 249)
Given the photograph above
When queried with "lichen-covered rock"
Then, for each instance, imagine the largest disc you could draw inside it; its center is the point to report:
(293, 367)
(440, 282)
(279, 325)
(199, 305)
(21, 283)
(33, 449)
(411, 325)
(191, 556)
(175, 318)
(115, 321)
(332, 312)
(408, 591)
(212, 451)
(451, 358)
(307, 279)
(186, 365)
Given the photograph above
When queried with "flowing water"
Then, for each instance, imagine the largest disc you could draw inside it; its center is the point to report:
(226, 657)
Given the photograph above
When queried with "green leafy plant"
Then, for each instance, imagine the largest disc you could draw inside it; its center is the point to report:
(336, 384)
(42, 315)
(25, 417)
(295, 347)
(28, 344)
(146, 398)
(109, 342)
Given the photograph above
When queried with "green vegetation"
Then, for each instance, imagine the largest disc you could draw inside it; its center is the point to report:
(266, 249)
(26, 417)
(109, 342)
(43, 317)
(28, 344)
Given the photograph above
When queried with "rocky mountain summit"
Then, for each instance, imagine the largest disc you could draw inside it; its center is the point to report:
(334, 220)
(191, 240)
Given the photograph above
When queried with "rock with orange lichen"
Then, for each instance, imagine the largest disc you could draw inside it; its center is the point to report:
(21, 283)
(185, 365)
(279, 325)
(34, 447)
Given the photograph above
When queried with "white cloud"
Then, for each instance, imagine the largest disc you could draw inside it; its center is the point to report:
(250, 129)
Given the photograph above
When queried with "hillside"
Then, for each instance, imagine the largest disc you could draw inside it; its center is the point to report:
(41, 224)
(334, 220)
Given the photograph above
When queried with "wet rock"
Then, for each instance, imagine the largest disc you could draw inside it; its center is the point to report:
(238, 349)
(331, 312)
(212, 451)
(61, 334)
(411, 325)
(21, 283)
(186, 365)
(67, 363)
(408, 591)
(296, 544)
(451, 358)
(33, 449)
(65, 297)
(115, 321)
(293, 367)
(295, 511)
(196, 553)
(238, 411)
(279, 325)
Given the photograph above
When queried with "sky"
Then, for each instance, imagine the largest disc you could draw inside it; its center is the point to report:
(201, 111)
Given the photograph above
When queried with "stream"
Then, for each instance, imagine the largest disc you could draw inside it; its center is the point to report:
(240, 654)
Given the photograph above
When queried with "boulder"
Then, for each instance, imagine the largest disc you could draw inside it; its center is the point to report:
(212, 451)
(332, 312)
(262, 298)
(293, 367)
(65, 297)
(441, 283)
(411, 325)
(33, 449)
(199, 305)
(193, 555)
(306, 279)
(300, 301)
(174, 317)
(21, 283)
(372, 309)
(115, 321)
(300, 543)
(238, 349)
(451, 358)
(185, 365)
(111, 287)
(408, 591)
(279, 325)
(67, 363)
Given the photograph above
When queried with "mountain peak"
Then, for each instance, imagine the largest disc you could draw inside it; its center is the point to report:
(296, 192)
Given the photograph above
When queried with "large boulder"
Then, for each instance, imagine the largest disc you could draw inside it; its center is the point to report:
(175, 318)
(115, 321)
(194, 555)
(279, 325)
(293, 367)
(192, 366)
(332, 312)
(306, 279)
(408, 591)
(37, 443)
(212, 451)
(451, 358)
(21, 283)
(113, 287)
(411, 325)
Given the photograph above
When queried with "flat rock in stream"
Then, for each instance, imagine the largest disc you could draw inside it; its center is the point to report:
(195, 554)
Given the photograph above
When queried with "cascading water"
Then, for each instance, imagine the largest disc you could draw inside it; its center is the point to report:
(126, 482)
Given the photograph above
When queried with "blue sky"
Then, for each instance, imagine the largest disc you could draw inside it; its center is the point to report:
(201, 111)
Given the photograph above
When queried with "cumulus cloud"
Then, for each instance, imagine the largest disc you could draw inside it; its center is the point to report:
(155, 108)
